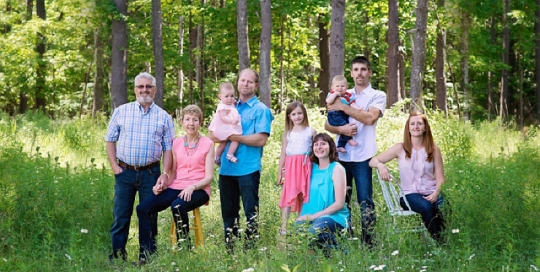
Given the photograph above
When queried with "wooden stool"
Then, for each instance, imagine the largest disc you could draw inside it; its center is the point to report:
(197, 227)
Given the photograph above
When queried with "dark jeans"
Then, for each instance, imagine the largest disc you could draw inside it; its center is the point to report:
(325, 229)
(231, 190)
(362, 174)
(337, 119)
(126, 186)
(179, 208)
(430, 212)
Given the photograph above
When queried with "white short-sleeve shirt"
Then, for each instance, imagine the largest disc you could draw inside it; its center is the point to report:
(366, 135)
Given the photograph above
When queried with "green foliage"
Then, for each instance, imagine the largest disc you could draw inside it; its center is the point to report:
(55, 208)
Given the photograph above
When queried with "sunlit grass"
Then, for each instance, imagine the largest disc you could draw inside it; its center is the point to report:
(56, 205)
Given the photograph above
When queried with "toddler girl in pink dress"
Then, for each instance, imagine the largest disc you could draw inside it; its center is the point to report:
(226, 122)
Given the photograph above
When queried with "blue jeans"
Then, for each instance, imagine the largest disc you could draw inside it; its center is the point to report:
(179, 208)
(362, 174)
(430, 212)
(337, 119)
(325, 228)
(126, 186)
(231, 190)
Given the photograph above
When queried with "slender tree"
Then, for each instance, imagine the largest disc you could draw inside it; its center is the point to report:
(242, 33)
(157, 44)
(392, 92)
(119, 54)
(419, 55)
(537, 59)
(505, 59)
(41, 48)
(265, 88)
(180, 80)
(99, 74)
(324, 59)
(337, 39)
(464, 52)
(440, 60)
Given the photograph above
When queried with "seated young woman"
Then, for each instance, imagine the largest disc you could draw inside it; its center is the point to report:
(420, 170)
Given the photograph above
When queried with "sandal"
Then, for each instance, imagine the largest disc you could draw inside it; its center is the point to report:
(232, 158)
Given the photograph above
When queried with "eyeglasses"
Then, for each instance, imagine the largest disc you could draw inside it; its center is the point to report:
(141, 87)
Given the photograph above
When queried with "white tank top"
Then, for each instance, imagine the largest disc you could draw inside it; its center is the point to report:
(299, 142)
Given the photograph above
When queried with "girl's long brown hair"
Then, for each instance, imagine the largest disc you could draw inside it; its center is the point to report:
(427, 141)
(289, 124)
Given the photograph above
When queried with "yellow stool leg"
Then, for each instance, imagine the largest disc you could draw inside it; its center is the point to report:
(196, 227)
(174, 238)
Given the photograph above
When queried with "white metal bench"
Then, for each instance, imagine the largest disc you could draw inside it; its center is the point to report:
(392, 192)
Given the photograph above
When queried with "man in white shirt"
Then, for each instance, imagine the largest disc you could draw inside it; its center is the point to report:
(370, 104)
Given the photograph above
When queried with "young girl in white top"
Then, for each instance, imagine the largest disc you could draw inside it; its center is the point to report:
(226, 122)
(294, 164)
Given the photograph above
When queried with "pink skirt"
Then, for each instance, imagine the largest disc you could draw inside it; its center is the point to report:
(296, 185)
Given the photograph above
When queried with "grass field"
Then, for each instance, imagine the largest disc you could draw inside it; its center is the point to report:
(56, 194)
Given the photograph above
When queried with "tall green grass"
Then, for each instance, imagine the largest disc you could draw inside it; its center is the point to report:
(56, 205)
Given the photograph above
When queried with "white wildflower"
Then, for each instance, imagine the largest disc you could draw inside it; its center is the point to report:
(69, 257)
(455, 231)
(84, 230)
(472, 256)
(396, 252)
(251, 269)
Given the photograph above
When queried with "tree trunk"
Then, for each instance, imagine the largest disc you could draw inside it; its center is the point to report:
(180, 81)
(490, 73)
(157, 44)
(282, 62)
(119, 56)
(337, 39)
(440, 75)
(465, 24)
(265, 88)
(392, 58)
(419, 55)
(41, 48)
(192, 46)
(199, 67)
(242, 33)
(520, 89)
(505, 59)
(402, 75)
(440, 60)
(23, 97)
(537, 58)
(324, 58)
(99, 74)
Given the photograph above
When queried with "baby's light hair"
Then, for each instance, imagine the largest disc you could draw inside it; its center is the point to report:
(339, 78)
(226, 85)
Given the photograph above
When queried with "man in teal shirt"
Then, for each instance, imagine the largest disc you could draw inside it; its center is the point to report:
(241, 180)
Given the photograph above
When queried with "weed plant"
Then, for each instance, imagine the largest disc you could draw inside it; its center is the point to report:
(56, 194)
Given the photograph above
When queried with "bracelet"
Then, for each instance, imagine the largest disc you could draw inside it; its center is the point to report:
(165, 173)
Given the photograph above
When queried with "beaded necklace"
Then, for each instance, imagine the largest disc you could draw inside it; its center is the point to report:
(191, 149)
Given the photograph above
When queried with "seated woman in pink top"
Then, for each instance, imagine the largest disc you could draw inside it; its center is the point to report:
(189, 183)
(421, 172)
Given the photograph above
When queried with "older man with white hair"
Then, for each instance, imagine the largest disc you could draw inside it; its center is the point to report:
(139, 136)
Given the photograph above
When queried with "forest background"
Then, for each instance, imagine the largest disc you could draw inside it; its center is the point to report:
(65, 65)
(472, 59)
